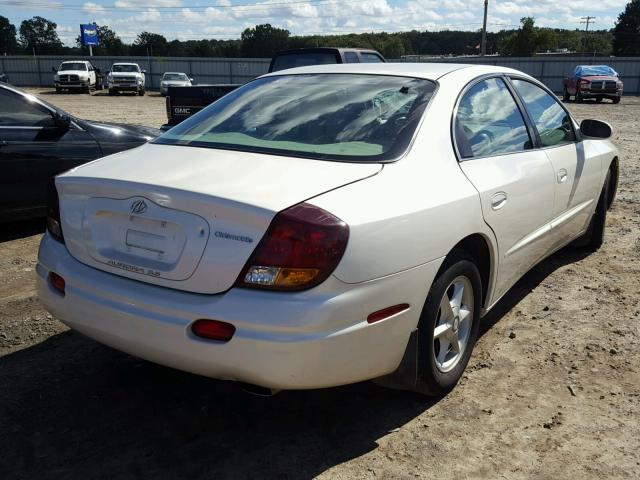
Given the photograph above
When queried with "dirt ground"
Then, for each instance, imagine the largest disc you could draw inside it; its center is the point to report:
(552, 390)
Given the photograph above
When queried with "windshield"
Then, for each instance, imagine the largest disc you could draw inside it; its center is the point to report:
(73, 66)
(587, 70)
(125, 68)
(175, 76)
(363, 118)
(303, 59)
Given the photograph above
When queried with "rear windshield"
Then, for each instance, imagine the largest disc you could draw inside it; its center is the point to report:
(125, 68)
(303, 59)
(358, 118)
(174, 76)
(73, 66)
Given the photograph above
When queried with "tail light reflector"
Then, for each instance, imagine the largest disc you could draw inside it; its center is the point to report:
(387, 312)
(54, 224)
(213, 330)
(300, 249)
(57, 282)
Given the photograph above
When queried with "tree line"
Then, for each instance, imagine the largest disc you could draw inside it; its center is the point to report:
(38, 36)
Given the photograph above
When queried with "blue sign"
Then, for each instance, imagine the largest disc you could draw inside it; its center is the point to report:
(89, 34)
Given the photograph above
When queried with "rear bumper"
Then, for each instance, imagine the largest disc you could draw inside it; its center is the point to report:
(313, 339)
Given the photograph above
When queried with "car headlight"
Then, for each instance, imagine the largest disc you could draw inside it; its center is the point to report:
(110, 78)
(619, 84)
(56, 77)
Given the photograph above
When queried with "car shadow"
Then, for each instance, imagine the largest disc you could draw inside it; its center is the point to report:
(72, 408)
(21, 229)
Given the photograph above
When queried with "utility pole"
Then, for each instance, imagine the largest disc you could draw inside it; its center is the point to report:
(587, 20)
(483, 43)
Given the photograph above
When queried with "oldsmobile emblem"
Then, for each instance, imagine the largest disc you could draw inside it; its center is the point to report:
(139, 207)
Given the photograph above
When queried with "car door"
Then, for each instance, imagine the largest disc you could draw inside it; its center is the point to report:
(576, 178)
(33, 150)
(515, 181)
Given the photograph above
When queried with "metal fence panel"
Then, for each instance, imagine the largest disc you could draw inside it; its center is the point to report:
(36, 71)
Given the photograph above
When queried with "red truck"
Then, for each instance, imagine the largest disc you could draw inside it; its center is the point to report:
(593, 81)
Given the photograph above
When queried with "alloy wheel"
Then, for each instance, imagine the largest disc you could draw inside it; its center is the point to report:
(453, 324)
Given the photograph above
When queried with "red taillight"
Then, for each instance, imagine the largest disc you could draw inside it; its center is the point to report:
(57, 282)
(213, 330)
(386, 312)
(300, 249)
(54, 225)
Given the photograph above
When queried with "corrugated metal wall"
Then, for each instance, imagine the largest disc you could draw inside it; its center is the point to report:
(552, 70)
(36, 71)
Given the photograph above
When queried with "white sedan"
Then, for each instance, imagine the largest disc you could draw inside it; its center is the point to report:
(326, 225)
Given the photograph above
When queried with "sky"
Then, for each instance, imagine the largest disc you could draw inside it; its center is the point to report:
(226, 19)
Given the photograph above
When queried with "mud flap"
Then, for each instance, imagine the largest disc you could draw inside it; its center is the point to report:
(406, 375)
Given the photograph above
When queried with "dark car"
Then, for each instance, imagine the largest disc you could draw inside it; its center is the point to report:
(302, 57)
(182, 102)
(593, 81)
(4, 78)
(39, 141)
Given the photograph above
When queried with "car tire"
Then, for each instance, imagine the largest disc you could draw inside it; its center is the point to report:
(565, 95)
(440, 370)
(616, 100)
(593, 238)
(579, 98)
(599, 100)
(112, 91)
(141, 93)
(58, 90)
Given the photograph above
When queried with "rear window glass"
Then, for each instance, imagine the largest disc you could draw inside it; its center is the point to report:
(302, 59)
(361, 118)
(371, 58)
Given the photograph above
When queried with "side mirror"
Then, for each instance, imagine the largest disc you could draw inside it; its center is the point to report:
(143, 71)
(62, 121)
(191, 80)
(596, 129)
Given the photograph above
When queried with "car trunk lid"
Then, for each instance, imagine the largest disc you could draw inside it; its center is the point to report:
(185, 217)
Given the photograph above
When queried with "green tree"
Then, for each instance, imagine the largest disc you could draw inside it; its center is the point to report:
(521, 43)
(8, 43)
(264, 41)
(626, 34)
(39, 34)
(148, 43)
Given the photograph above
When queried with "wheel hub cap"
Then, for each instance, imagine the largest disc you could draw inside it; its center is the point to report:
(453, 324)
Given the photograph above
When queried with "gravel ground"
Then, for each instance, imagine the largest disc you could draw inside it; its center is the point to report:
(552, 390)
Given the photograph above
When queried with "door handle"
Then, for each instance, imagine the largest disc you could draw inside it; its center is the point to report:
(498, 200)
(562, 175)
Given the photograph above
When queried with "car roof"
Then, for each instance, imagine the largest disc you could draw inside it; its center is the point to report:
(181, 73)
(428, 71)
(124, 63)
(325, 49)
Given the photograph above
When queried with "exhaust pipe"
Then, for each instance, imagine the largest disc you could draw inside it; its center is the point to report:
(257, 390)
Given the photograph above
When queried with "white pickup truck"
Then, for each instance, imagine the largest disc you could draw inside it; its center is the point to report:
(126, 77)
(77, 75)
